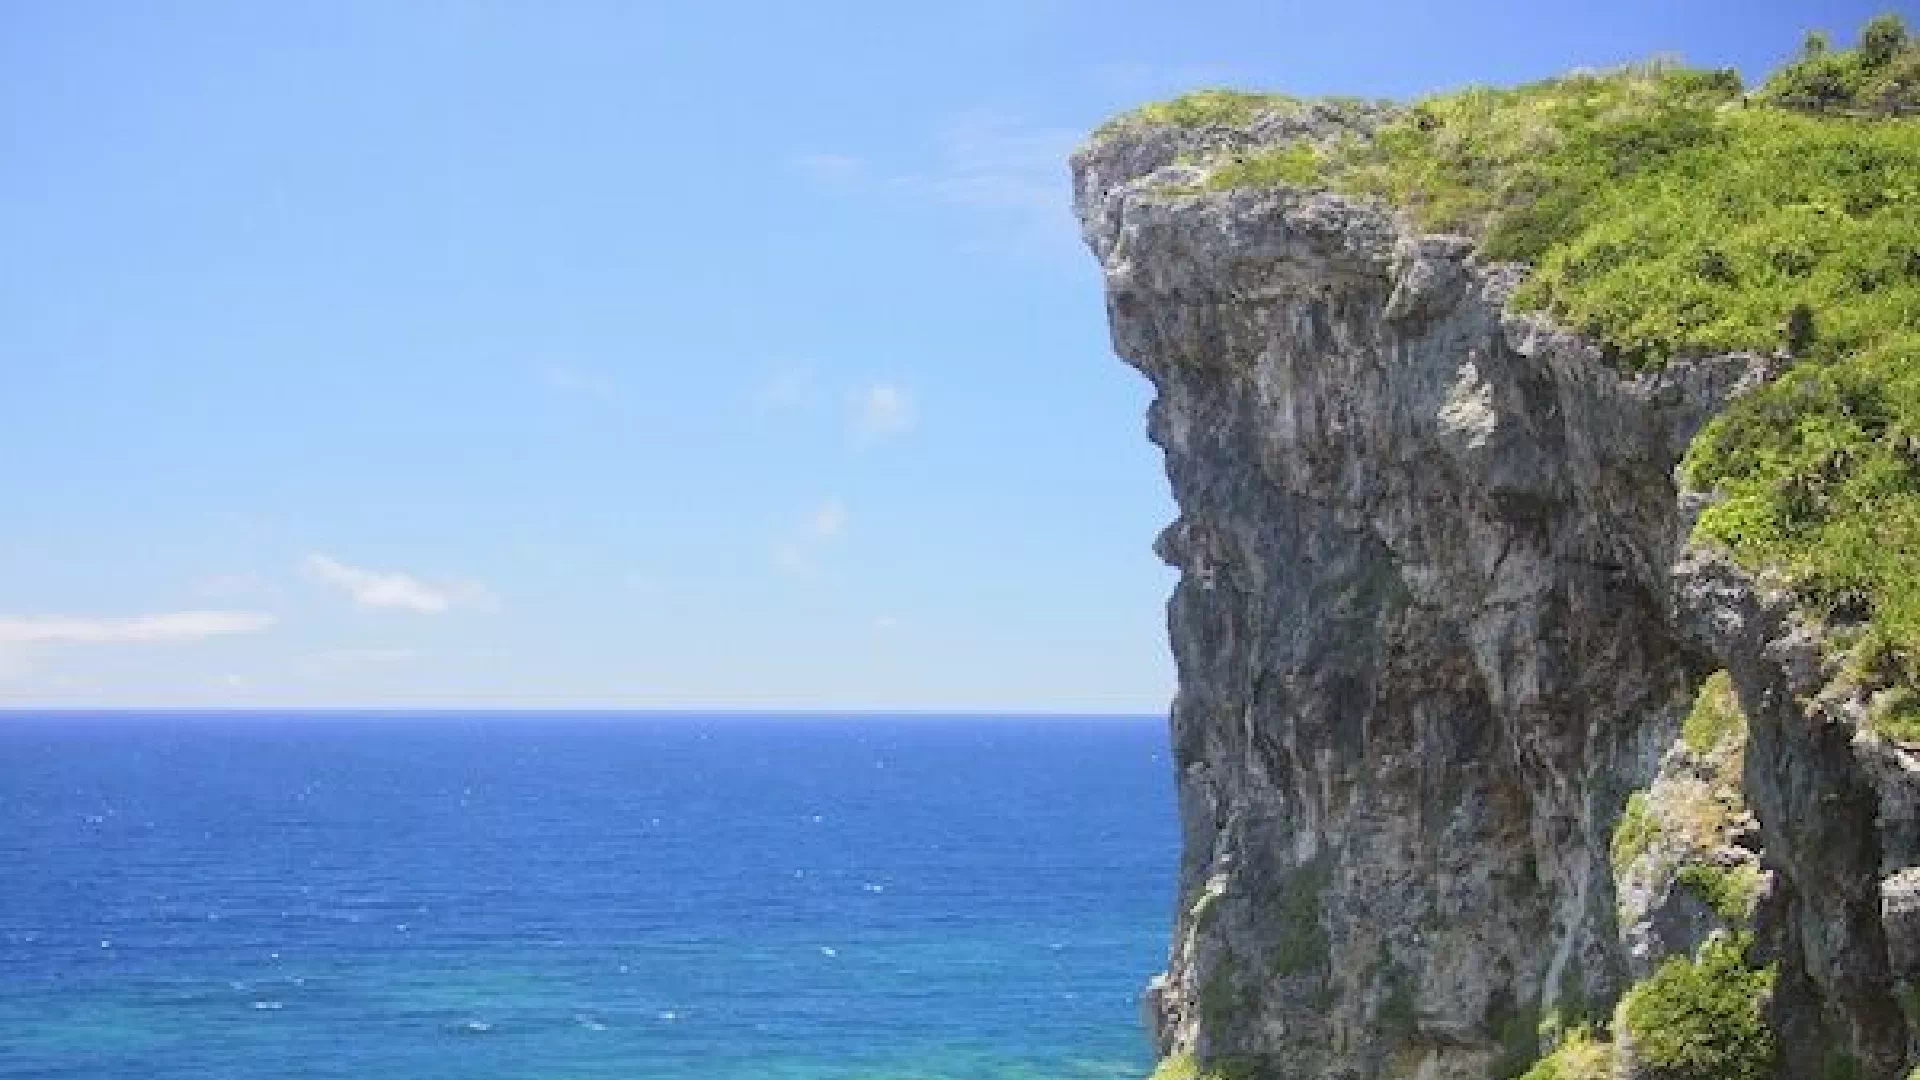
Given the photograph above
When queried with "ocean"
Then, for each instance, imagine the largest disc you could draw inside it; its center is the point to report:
(245, 896)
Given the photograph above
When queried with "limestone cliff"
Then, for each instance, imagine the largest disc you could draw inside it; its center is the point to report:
(1437, 620)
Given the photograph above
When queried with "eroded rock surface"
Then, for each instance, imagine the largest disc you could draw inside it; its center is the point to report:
(1430, 638)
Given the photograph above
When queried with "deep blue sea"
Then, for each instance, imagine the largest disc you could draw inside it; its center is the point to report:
(569, 897)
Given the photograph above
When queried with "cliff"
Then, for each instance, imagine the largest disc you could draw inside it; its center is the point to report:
(1460, 786)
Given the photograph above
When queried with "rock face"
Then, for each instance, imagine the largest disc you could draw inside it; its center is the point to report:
(1429, 639)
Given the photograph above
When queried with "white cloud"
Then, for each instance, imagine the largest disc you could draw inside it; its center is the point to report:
(880, 412)
(886, 624)
(172, 626)
(573, 380)
(391, 589)
(798, 553)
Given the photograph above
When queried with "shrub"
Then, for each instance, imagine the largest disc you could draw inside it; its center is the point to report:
(1715, 716)
(1186, 1067)
(1702, 1019)
(1882, 40)
(1729, 890)
(1580, 1056)
(1879, 75)
(1634, 833)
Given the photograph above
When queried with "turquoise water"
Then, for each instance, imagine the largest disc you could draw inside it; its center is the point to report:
(254, 896)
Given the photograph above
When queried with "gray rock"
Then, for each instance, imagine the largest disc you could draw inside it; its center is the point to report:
(1429, 636)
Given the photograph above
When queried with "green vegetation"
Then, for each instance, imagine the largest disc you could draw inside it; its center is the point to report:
(1184, 1067)
(1729, 890)
(1634, 833)
(1703, 1019)
(1841, 1065)
(1399, 1011)
(1201, 108)
(1220, 993)
(1580, 1056)
(1295, 909)
(1716, 715)
(1882, 75)
(1297, 164)
(1821, 476)
(1518, 1031)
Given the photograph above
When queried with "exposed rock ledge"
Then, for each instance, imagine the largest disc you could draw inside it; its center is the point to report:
(1436, 619)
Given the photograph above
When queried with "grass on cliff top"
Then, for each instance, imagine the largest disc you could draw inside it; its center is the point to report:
(1666, 213)
(1200, 108)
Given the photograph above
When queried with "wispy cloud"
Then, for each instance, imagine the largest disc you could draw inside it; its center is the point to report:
(392, 589)
(880, 412)
(171, 626)
(573, 380)
(1009, 173)
(798, 552)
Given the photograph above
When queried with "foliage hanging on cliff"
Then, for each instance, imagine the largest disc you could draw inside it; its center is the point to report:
(1702, 1019)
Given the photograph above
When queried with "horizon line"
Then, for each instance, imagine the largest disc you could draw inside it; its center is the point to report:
(584, 710)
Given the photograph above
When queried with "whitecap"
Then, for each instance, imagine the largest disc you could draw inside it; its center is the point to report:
(268, 1006)
(828, 950)
(669, 1015)
(476, 1027)
(875, 887)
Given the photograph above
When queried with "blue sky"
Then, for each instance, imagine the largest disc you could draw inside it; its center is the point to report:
(613, 354)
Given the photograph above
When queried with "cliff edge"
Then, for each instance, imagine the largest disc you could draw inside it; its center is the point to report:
(1490, 760)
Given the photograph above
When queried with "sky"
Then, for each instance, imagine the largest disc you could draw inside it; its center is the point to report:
(622, 355)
